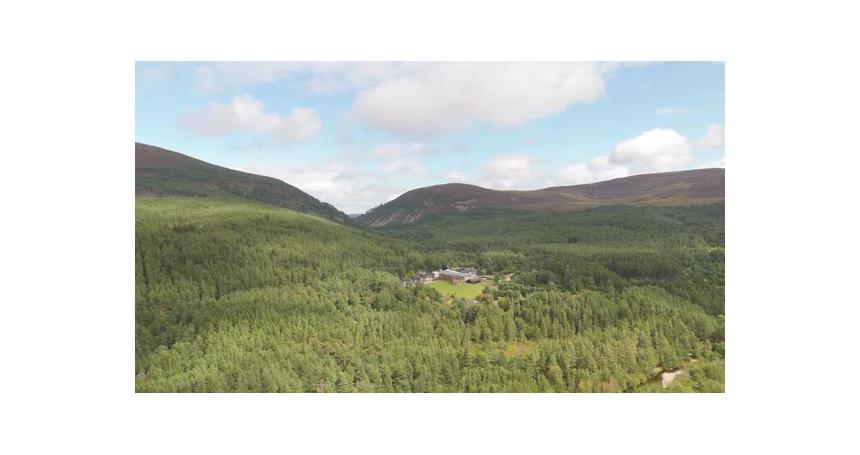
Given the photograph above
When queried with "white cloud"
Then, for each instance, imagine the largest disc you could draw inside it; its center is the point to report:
(657, 150)
(456, 177)
(401, 158)
(330, 77)
(317, 77)
(424, 99)
(342, 185)
(715, 136)
(156, 72)
(348, 184)
(575, 173)
(404, 167)
(396, 149)
(512, 171)
(673, 111)
(245, 114)
(596, 170)
(204, 80)
(240, 74)
(449, 96)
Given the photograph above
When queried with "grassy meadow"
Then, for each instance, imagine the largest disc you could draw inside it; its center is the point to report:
(465, 290)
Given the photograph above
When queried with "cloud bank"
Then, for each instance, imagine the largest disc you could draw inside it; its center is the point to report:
(715, 136)
(657, 150)
(511, 171)
(245, 114)
(449, 97)
(427, 99)
(343, 185)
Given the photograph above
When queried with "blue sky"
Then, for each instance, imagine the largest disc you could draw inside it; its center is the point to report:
(359, 134)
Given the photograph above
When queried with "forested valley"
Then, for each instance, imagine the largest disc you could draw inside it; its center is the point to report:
(236, 295)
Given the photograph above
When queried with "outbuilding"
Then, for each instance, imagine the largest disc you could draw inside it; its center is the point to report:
(453, 276)
(424, 277)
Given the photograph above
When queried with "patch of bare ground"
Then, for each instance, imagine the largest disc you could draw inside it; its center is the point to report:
(668, 376)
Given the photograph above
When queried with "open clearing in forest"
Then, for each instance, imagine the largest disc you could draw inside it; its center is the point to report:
(668, 376)
(467, 290)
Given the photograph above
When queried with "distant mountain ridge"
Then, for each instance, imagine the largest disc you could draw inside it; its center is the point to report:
(698, 186)
(162, 172)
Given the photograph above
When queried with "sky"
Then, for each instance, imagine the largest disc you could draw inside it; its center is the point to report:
(359, 134)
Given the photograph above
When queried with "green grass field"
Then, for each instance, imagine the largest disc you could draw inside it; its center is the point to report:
(467, 290)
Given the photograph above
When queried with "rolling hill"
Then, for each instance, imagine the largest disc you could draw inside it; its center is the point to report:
(161, 172)
(691, 187)
(237, 295)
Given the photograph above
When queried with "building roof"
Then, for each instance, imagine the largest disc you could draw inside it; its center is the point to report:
(455, 274)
